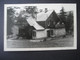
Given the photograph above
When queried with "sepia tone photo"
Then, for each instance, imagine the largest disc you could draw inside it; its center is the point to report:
(34, 27)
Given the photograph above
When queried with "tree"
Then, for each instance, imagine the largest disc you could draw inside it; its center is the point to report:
(70, 21)
(22, 24)
(17, 23)
(31, 10)
(25, 30)
(67, 19)
(63, 18)
(10, 16)
(63, 15)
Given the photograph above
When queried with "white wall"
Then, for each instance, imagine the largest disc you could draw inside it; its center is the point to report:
(41, 34)
(59, 32)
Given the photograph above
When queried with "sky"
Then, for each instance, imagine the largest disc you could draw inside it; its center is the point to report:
(57, 7)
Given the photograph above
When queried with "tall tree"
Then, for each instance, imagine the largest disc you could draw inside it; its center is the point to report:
(70, 17)
(63, 17)
(70, 21)
(10, 16)
(67, 19)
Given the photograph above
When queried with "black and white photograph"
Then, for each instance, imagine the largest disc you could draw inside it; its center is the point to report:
(39, 27)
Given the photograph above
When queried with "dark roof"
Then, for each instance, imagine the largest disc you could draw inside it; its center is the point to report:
(42, 23)
(52, 17)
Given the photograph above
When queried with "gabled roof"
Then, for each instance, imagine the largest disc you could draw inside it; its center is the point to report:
(32, 22)
(42, 16)
(39, 22)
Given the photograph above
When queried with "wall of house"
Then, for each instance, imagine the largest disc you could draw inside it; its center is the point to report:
(59, 32)
(41, 34)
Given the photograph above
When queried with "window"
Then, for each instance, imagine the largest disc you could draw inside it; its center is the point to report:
(34, 33)
(51, 32)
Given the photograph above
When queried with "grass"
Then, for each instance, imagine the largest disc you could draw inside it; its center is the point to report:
(57, 42)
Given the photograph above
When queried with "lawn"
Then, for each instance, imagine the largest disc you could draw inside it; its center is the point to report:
(57, 42)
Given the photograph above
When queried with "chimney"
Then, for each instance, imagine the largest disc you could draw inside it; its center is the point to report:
(46, 10)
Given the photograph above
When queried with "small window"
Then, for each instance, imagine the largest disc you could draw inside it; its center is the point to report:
(51, 32)
(34, 33)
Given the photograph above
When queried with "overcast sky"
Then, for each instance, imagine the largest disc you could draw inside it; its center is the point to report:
(56, 7)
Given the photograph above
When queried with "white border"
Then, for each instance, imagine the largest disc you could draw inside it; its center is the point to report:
(39, 49)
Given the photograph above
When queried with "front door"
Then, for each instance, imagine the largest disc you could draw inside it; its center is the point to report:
(48, 33)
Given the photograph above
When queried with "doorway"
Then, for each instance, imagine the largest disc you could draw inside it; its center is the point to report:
(49, 33)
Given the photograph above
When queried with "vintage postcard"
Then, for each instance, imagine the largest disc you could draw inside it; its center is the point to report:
(40, 27)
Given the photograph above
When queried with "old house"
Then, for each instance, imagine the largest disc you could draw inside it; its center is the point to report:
(44, 24)
(40, 27)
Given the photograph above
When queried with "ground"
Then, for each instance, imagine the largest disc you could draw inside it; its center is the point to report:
(50, 42)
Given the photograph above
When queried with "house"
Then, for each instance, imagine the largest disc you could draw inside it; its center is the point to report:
(44, 24)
